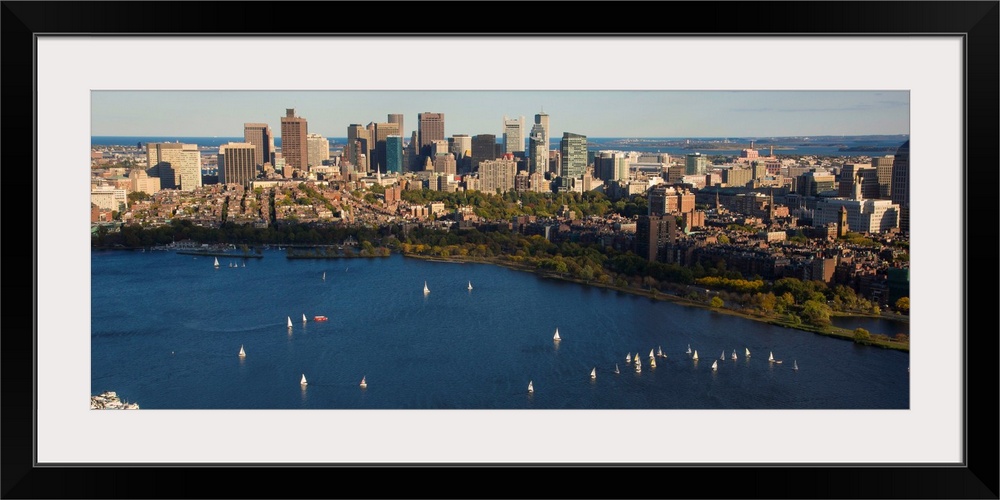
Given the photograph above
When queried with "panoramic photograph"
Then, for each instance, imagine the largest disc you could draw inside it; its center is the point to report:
(499, 250)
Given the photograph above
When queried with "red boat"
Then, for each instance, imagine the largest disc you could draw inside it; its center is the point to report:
(319, 318)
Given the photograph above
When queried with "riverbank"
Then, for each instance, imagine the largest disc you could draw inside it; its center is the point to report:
(828, 331)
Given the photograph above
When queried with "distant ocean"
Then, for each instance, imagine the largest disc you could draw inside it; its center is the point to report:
(800, 146)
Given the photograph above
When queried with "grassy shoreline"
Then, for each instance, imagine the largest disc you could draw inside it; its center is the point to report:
(830, 331)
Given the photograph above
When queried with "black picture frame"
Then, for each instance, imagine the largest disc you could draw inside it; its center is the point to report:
(976, 477)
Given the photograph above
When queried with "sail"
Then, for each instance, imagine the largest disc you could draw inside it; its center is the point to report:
(470, 285)
(795, 365)
(628, 358)
(303, 318)
(689, 349)
(426, 290)
(695, 355)
(556, 336)
(242, 352)
(363, 383)
(715, 365)
(303, 381)
(651, 355)
(216, 262)
(289, 322)
(593, 372)
(723, 355)
(324, 274)
(616, 368)
(770, 356)
(747, 352)
(531, 388)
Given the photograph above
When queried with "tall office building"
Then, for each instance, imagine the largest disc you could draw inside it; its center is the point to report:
(430, 128)
(901, 184)
(177, 165)
(542, 120)
(413, 152)
(611, 165)
(513, 135)
(538, 151)
(294, 148)
(356, 134)
(394, 154)
(883, 165)
(319, 149)
(460, 145)
(483, 148)
(259, 134)
(238, 163)
(573, 150)
(396, 118)
(655, 235)
(382, 132)
(695, 164)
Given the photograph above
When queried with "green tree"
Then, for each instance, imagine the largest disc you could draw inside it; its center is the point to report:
(903, 305)
(861, 336)
(717, 301)
(816, 313)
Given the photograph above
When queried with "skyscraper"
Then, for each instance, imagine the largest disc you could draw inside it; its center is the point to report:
(498, 175)
(883, 165)
(695, 164)
(396, 118)
(901, 184)
(293, 140)
(542, 120)
(538, 150)
(382, 132)
(460, 145)
(430, 128)
(513, 135)
(483, 148)
(393, 154)
(238, 163)
(259, 134)
(573, 149)
(356, 133)
(319, 149)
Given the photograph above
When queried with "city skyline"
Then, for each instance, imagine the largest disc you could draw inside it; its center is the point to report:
(604, 113)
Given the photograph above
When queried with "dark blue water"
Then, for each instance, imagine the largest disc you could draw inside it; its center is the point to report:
(789, 146)
(167, 328)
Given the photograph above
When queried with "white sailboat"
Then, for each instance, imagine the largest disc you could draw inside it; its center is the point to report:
(715, 365)
(659, 352)
(363, 383)
(652, 359)
(795, 365)
(531, 388)
(216, 262)
(734, 354)
(695, 357)
(628, 357)
(426, 290)
(244, 264)
(593, 372)
(289, 322)
(616, 369)
(638, 365)
(770, 358)
(747, 352)
(303, 382)
(470, 285)
(556, 336)
(243, 353)
(324, 275)
(689, 349)
(303, 318)
(723, 356)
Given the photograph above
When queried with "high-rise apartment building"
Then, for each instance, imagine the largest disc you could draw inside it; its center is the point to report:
(177, 165)
(573, 151)
(430, 128)
(318, 149)
(294, 148)
(259, 134)
(695, 164)
(497, 174)
(611, 165)
(238, 163)
(513, 135)
(654, 237)
(901, 184)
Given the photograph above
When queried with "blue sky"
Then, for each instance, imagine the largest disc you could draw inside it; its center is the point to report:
(593, 113)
